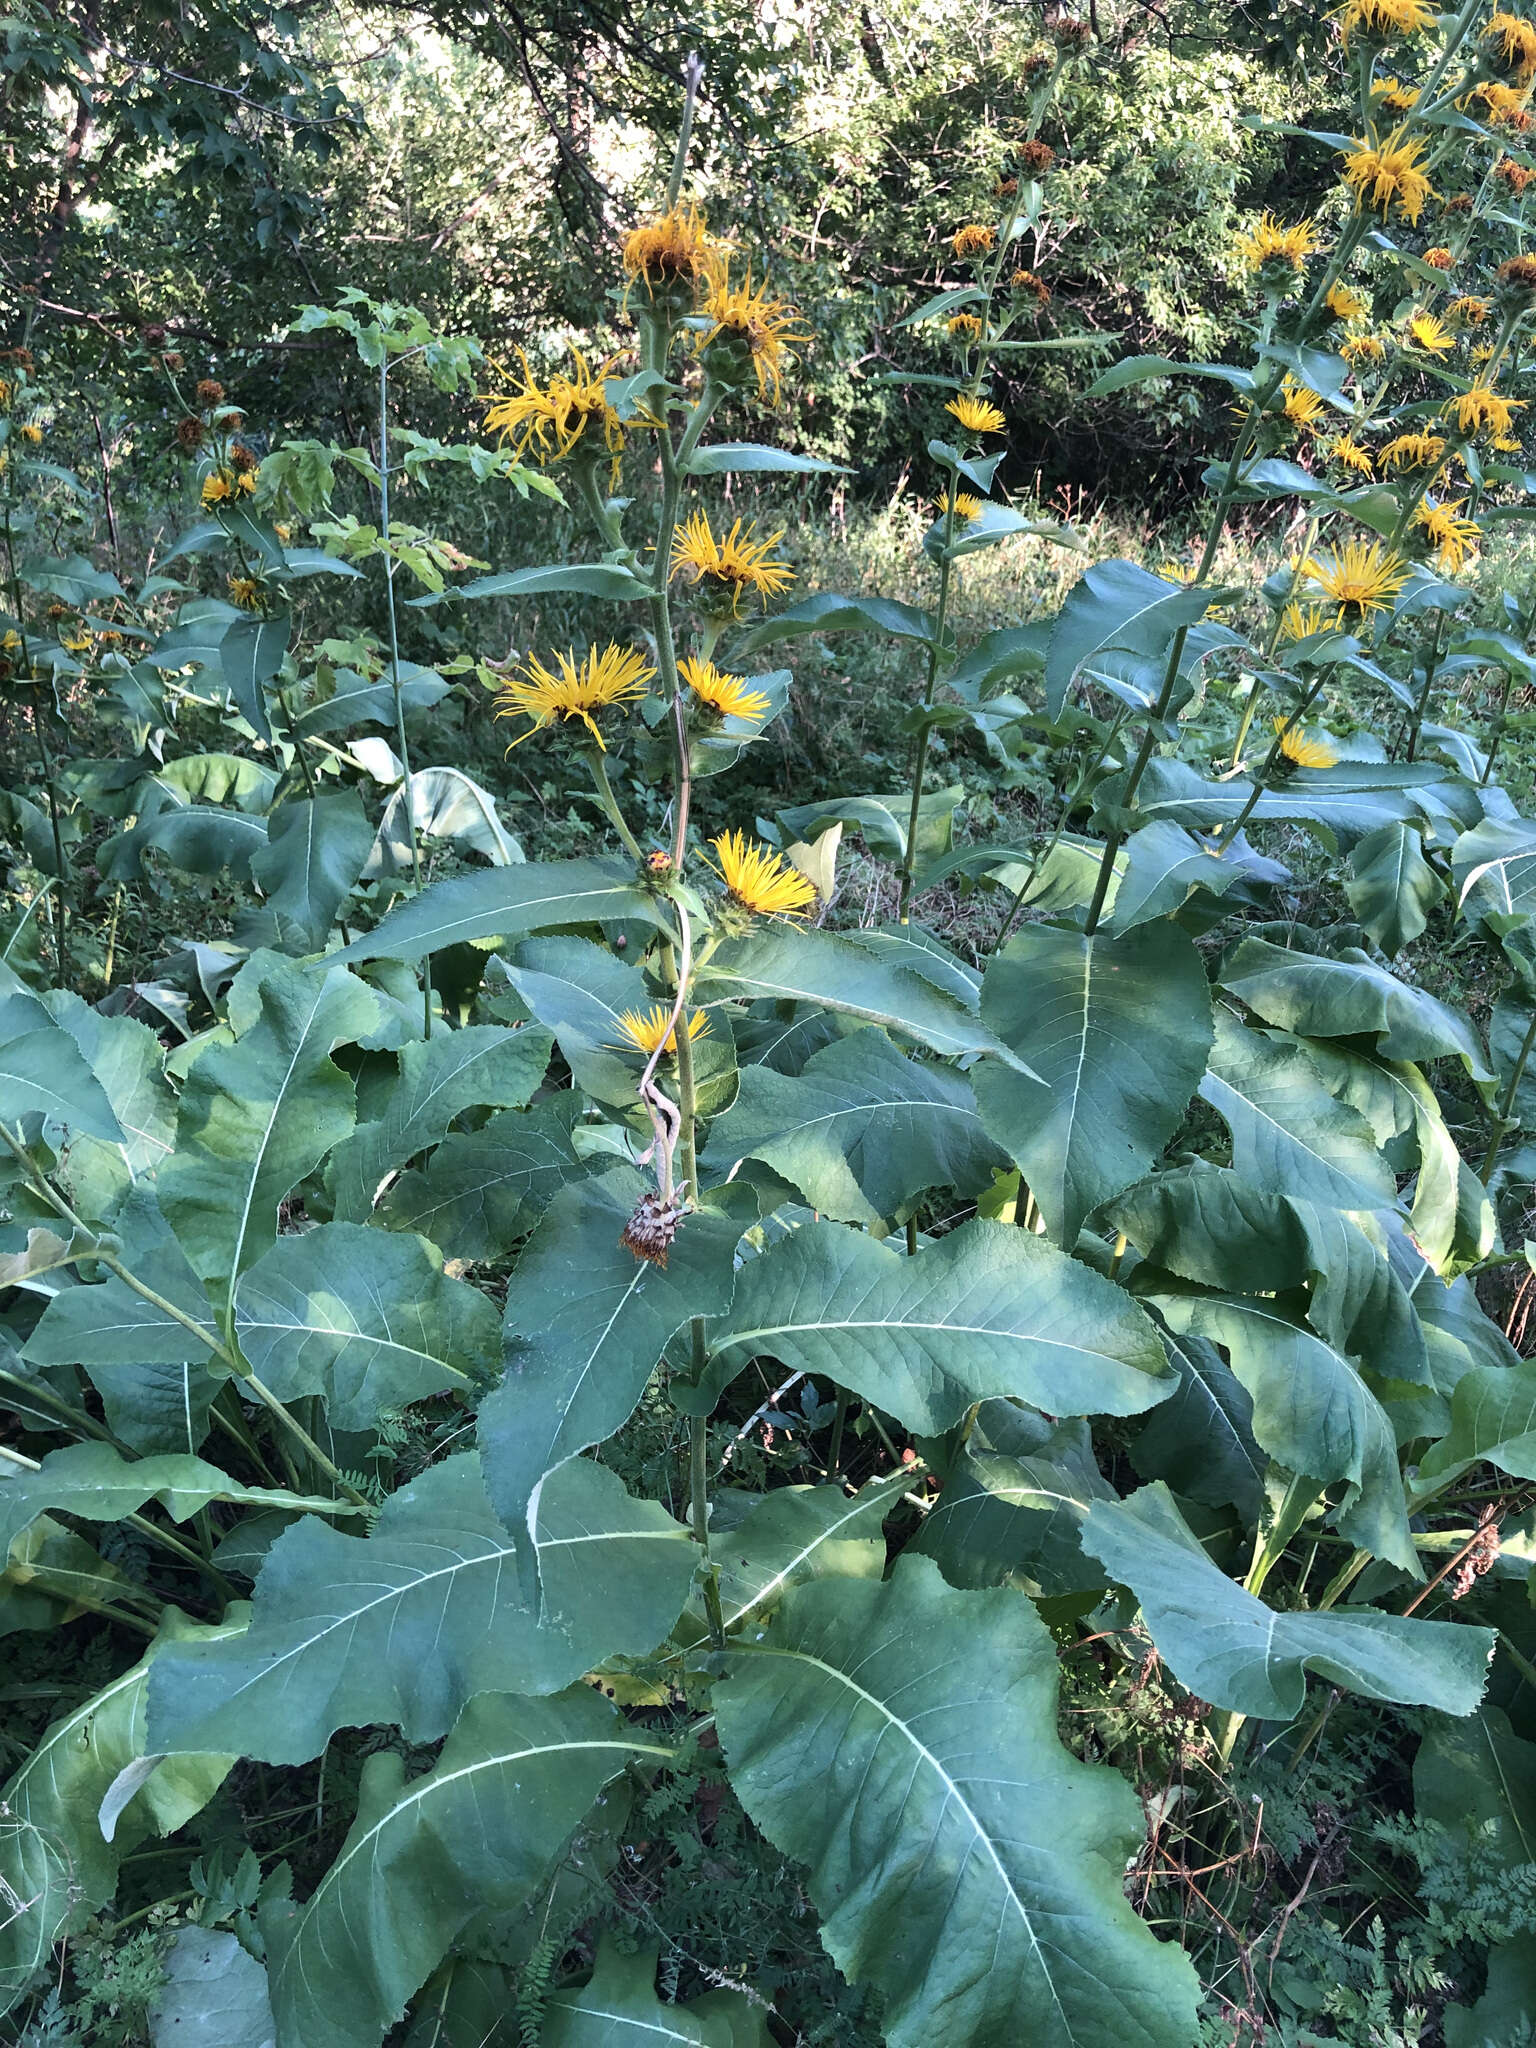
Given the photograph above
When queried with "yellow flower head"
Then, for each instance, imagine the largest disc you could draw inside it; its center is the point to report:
(32, 433)
(1413, 451)
(967, 504)
(1453, 538)
(1469, 311)
(1301, 621)
(1510, 42)
(1359, 577)
(1439, 258)
(1481, 410)
(1344, 304)
(673, 255)
(763, 330)
(645, 1029)
(1347, 449)
(1506, 444)
(548, 420)
(597, 682)
(726, 696)
(974, 240)
(976, 415)
(1393, 97)
(1500, 105)
(1302, 748)
(10, 640)
(78, 641)
(1303, 408)
(244, 591)
(1388, 174)
(723, 571)
(1363, 348)
(1384, 18)
(761, 881)
(1269, 241)
(219, 486)
(1428, 332)
(963, 327)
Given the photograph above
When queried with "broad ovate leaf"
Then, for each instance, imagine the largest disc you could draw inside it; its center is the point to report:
(899, 1739)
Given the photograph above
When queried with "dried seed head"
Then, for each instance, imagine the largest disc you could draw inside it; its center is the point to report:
(650, 1231)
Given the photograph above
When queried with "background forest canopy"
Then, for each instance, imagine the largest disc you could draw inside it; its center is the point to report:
(208, 171)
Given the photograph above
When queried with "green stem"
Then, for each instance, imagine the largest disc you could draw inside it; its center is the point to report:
(920, 758)
(609, 802)
(402, 744)
(1503, 1120)
(835, 1447)
(45, 758)
(1228, 833)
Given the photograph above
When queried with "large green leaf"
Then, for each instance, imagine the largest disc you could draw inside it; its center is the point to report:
(580, 992)
(484, 1066)
(1117, 607)
(1312, 1412)
(1174, 790)
(1162, 864)
(258, 1115)
(1011, 1517)
(804, 1532)
(900, 1739)
(478, 1833)
(860, 1130)
(214, 1996)
(1201, 1441)
(56, 1866)
(1494, 868)
(200, 839)
(1493, 1421)
(365, 1318)
(1392, 888)
(790, 965)
(586, 1324)
(1117, 1031)
(827, 612)
(99, 1484)
(883, 821)
(618, 2008)
(250, 655)
(1227, 1647)
(505, 902)
(128, 1060)
(407, 1626)
(44, 1073)
(986, 1310)
(314, 852)
(474, 1195)
(1321, 995)
(1288, 1132)
(1477, 1778)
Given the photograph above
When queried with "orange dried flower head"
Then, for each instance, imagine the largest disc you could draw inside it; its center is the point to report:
(1027, 281)
(973, 240)
(210, 392)
(1036, 157)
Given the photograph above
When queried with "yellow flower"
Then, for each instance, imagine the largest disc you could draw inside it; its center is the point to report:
(1344, 304)
(1347, 449)
(974, 240)
(1482, 410)
(1511, 41)
(1468, 311)
(550, 419)
(1439, 259)
(645, 1028)
(976, 415)
(1393, 96)
(218, 486)
(1453, 538)
(1388, 174)
(10, 640)
(77, 642)
(1303, 408)
(760, 881)
(595, 683)
(967, 504)
(726, 696)
(674, 253)
(1413, 451)
(1299, 747)
(963, 327)
(244, 591)
(1482, 355)
(765, 329)
(1363, 348)
(1429, 333)
(1500, 104)
(32, 433)
(1384, 18)
(1505, 444)
(1300, 622)
(1359, 577)
(723, 571)
(1268, 241)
